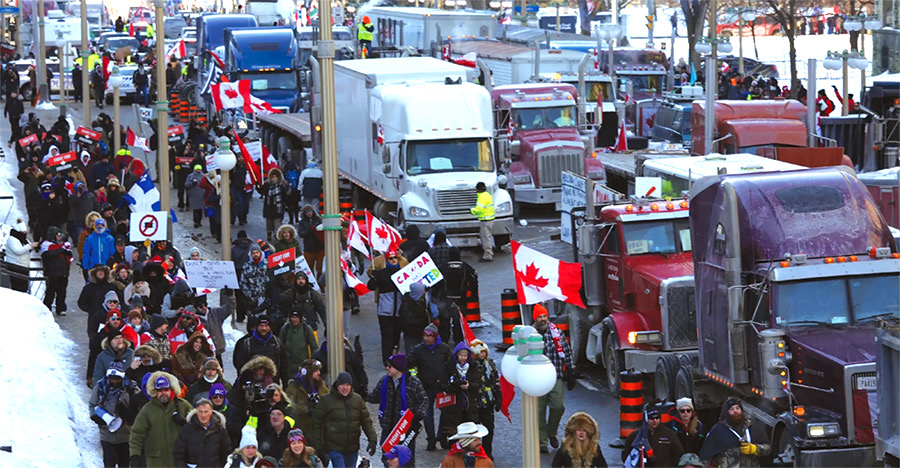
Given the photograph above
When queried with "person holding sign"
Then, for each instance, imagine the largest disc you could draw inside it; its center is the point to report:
(388, 303)
(395, 393)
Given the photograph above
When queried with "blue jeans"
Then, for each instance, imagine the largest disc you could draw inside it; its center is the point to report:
(342, 460)
(144, 94)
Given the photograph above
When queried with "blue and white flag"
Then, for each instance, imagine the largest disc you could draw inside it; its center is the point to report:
(144, 196)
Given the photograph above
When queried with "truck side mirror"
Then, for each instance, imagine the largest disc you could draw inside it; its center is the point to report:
(386, 159)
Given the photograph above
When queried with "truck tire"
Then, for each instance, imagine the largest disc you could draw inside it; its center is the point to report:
(613, 361)
(27, 92)
(785, 449)
(664, 378)
(684, 383)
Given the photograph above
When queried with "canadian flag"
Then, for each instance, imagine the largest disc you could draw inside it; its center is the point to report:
(596, 60)
(467, 60)
(382, 237)
(268, 160)
(177, 50)
(232, 95)
(445, 52)
(380, 134)
(356, 239)
(260, 107)
(353, 281)
(131, 139)
(510, 128)
(541, 277)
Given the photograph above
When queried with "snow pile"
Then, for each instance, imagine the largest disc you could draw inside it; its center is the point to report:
(45, 416)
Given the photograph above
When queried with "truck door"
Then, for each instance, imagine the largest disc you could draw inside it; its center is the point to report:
(612, 267)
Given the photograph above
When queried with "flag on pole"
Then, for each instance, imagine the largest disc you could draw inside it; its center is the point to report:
(252, 168)
(509, 394)
(382, 237)
(258, 106)
(268, 160)
(467, 60)
(144, 196)
(621, 141)
(596, 60)
(131, 139)
(540, 277)
(352, 281)
(177, 50)
(216, 74)
(356, 239)
(232, 95)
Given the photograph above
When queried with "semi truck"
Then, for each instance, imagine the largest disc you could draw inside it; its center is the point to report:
(211, 35)
(538, 137)
(266, 56)
(794, 272)
(421, 29)
(887, 359)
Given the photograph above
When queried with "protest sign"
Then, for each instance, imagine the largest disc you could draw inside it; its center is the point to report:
(204, 274)
(421, 270)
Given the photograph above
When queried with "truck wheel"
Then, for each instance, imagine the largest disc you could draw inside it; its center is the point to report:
(27, 93)
(785, 453)
(613, 362)
(684, 383)
(664, 379)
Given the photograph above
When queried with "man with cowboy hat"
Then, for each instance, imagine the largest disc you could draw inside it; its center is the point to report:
(467, 450)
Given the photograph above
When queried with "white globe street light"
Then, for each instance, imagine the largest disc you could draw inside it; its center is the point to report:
(725, 46)
(509, 365)
(853, 24)
(226, 160)
(703, 47)
(873, 23)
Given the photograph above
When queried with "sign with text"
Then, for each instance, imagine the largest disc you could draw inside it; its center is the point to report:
(176, 134)
(443, 400)
(573, 196)
(23, 142)
(146, 113)
(211, 163)
(62, 162)
(204, 274)
(421, 270)
(302, 266)
(152, 225)
(281, 262)
(87, 136)
(254, 149)
(397, 434)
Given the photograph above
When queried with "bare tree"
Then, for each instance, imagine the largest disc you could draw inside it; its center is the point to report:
(588, 14)
(695, 13)
(788, 13)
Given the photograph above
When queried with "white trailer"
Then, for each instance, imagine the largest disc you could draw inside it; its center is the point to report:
(514, 64)
(414, 137)
(421, 28)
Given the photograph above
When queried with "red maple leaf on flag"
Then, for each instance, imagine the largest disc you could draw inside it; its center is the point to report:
(532, 278)
(231, 93)
(381, 232)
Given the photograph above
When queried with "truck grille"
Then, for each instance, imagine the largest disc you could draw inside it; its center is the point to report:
(682, 317)
(456, 202)
(552, 166)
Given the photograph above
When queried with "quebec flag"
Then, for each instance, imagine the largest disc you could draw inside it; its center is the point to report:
(144, 196)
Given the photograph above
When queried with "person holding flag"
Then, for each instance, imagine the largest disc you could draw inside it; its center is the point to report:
(654, 444)
(557, 349)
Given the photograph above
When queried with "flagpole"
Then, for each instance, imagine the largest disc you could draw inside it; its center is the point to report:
(162, 119)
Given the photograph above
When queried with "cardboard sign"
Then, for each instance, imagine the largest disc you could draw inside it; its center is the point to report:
(254, 149)
(152, 225)
(211, 163)
(62, 162)
(397, 434)
(146, 113)
(304, 267)
(443, 400)
(281, 262)
(176, 134)
(211, 274)
(421, 270)
(86, 136)
(23, 142)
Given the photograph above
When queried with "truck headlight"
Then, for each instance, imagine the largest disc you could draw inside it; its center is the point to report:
(819, 430)
(416, 212)
(505, 207)
(521, 179)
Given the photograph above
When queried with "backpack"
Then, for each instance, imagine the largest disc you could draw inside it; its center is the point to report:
(293, 178)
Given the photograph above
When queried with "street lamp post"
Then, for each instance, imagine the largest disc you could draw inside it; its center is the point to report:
(225, 159)
(162, 115)
(85, 69)
(707, 46)
(41, 64)
(62, 48)
(843, 61)
(609, 33)
(115, 80)
(525, 366)
(746, 15)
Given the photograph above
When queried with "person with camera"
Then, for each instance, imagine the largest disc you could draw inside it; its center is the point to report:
(305, 390)
(395, 393)
(111, 399)
(157, 424)
(337, 422)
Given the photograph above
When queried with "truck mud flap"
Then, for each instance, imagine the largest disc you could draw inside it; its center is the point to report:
(850, 456)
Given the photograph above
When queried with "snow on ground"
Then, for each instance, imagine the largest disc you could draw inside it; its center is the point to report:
(44, 414)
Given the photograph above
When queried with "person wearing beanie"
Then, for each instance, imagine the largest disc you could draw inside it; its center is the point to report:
(387, 302)
(114, 348)
(338, 420)
(305, 390)
(218, 395)
(426, 362)
(580, 444)
(467, 450)
(298, 453)
(137, 323)
(415, 315)
(298, 338)
(56, 258)
(118, 257)
(114, 321)
(273, 437)
(487, 397)
(254, 276)
(212, 318)
(398, 456)
(195, 194)
(414, 244)
(719, 447)
(397, 392)
(459, 379)
(687, 425)
(246, 454)
(259, 341)
(157, 337)
(113, 394)
(18, 255)
(557, 349)
(158, 423)
(654, 442)
(203, 441)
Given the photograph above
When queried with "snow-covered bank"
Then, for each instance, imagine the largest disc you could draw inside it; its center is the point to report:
(44, 414)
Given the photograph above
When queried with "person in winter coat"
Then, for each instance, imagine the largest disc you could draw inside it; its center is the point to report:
(352, 363)
(580, 445)
(203, 441)
(179, 299)
(396, 392)
(163, 248)
(18, 255)
(240, 254)
(414, 245)
(81, 203)
(467, 450)
(286, 238)
(460, 379)
(305, 390)
(115, 349)
(273, 437)
(415, 315)
(95, 299)
(56, 257)
(212, 203)
(189, 358)
(121, 277)
(388, 304)
(212, 318)
(426, 361)
(158, 337)
(274, 191)
(254, 277)
(723, 448)
(246, 455)
(308, 301)
(338, 420)
(660, 444)
(298, 454)
(89, 220)
(487, 398)
(98, 246)
(113, 394)
(188, 323)
(196, 194)
(299, 342)
(687, 425)
(147, 360)
(313, 245)
(157, 425)
(259, 341)
(310, 183)
(99, 85)
(14, 109)
(211, 373)
(118, 257)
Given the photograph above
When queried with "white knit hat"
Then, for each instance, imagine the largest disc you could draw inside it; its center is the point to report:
(682, 402)
(248, 437)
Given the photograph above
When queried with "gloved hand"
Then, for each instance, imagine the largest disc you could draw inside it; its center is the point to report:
(570, 381)
(749, 449)
(135, 461)
(177, 418)
(498, 405)
(98, 420)
(90, 383)
(370, 449)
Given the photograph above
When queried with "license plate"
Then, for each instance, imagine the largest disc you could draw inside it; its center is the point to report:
(866, 383)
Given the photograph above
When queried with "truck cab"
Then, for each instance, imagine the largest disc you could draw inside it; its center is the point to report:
(266, 57)
(542, 140)
(308, 36)
(211, 34)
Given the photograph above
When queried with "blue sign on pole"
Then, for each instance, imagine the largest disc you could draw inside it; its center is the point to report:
(9, 10)
(528, 8)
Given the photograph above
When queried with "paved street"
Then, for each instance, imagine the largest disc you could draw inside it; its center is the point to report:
(590, 395)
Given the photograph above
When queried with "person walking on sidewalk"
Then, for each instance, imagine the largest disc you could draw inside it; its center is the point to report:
(14, 110)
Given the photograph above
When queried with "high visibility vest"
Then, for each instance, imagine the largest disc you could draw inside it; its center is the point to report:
(363, 33)
(484, 207)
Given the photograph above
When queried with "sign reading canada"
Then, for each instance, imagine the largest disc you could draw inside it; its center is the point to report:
(421, 270)
(87, 136)
(281, 262)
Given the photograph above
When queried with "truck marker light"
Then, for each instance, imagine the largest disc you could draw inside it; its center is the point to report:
(684, 204)
(829, 260)
(841, 259)
(853, 258)
(474, 128)
(459, 128)
(446, 129)
(629, 208)
(896, 255)
(799, 411)
(419, 130)
(632, 337)
(653, 207)
(670, 206)
(785, 264)
(516, 100)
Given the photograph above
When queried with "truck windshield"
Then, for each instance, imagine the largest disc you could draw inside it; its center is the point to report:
(547, 117)
(263, 81)
(644, 82)
(657, 237)
(424, 157)
(837, 301)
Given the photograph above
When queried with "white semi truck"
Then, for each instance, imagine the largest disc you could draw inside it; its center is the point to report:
(414, 138)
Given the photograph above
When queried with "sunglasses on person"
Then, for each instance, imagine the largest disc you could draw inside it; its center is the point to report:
(392, 258)
(685, 410)
(115, 319)
(655, 416)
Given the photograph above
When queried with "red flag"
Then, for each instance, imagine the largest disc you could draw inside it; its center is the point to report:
(509, 393)
(380, 134)
(252, 168)
(467, 60)
(131, 139)
(177, 50)
(510, 128)
(353, 281)
(540, 277)
(467, 331)
(261, 107)
(232, 95)
(356, 239)
(268, 160)
(621, 142)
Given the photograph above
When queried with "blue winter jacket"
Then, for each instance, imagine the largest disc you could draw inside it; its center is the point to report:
(97, 249)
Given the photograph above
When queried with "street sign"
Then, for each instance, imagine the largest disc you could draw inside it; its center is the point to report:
(528, 8)
(150, 225)
(9, 10)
